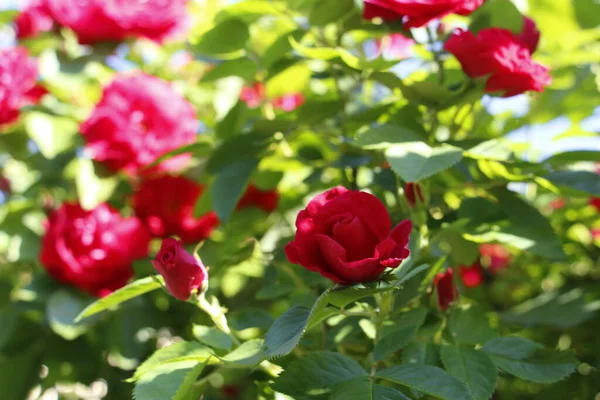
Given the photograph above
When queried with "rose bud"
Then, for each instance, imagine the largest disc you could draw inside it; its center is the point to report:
(412, 191)
(446, 289)
(472, 275)
(347, 236)
(183, 273)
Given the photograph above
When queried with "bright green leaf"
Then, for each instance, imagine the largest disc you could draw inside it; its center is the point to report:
(415, 161)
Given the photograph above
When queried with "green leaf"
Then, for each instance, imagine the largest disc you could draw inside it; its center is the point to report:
(242, 67)
(327, 12)
(383, 136)
(317, 371)
(232, 123)
(61, 310)
(286, 331)
(134, 289)
(473, 367)
(393, 342)
(168, 381)
(202, 148)
(415, 161)
(316, 111)
(470, 326)
(179, 352)
(494, 149)
(91, 189)
(291, 79)
(343, 295)
(571, 157)
(530, 361)
(52, 135)
(229, 186)
(212, 337)
(226, 39)
(281, 47)
(581, 181)
(563, 311)
(19, 372)
(497, 14)
(430, 380)
(248, 354)
(362, 388)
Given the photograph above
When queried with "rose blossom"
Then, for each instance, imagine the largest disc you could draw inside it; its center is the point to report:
(445, 288)
(166, 205)
(497, 55)
(417, 13)
(347, 237)
(183, 273)
(18, 74)
(138, 119)
(494, 256)
(472, 275)
(264, 199)
(34, 18)
(114, 20)
(92, 250)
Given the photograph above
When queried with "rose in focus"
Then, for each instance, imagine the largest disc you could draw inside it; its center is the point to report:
(415, 13)
(347, 237)
(183, 273)
(92, 250)
(139, 119)
(166, 205)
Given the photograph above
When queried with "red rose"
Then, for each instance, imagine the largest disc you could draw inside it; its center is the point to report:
(496, 53)
(33, 19)
(183, 273)
(595, 201)
(347, 237)
(255, 95)
(494, 256)
(264, 199)
(412, 191)
(395, 46)
(5, 185)
(102, 20)
(471, 276)
(445, 288)
(166, 205)
(138, 119)
(18, 74)
(417, 13)
(530, 35)
(92, 250)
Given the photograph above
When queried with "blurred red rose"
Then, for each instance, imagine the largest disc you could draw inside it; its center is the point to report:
(445, 288)
(412, 191)
(18, 74)
(138, 119)
(595, 201)
(347, 237)
(182, 272)
(395, 46)
(255, 95)
(499, 55)
(415, 13)
(557, 204)
(33, 19)
(5, 186)
(92, 250)
(494, 256)
(102, 20)
(530, 35)
(472, 275)
(166, 205)
(264, 199)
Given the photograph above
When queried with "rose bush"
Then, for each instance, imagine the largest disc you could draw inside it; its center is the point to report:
(299, 199)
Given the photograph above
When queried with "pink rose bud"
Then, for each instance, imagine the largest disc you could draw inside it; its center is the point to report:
(183, 273)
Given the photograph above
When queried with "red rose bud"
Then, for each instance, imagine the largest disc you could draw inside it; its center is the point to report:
(264, 199)
(471, 276)
(18, 74)
(415, 13)
(183, 273)
(499, 56)
(445, 288)
(92, 250)
(530, 35)
(33, 19)
(166, 205)
(347, 237)
(495, 257)
(139, 119)
(412, 191)
(100, 20)
(595, 201)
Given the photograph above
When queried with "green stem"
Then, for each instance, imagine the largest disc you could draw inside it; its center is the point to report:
(216, 314)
